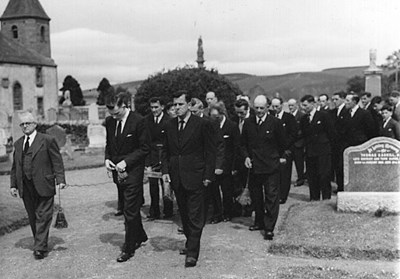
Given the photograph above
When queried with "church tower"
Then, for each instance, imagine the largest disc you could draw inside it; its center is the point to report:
(26, 21)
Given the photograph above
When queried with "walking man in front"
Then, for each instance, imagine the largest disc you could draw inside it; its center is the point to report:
(189, 163)
(126, 149)
(263, 146)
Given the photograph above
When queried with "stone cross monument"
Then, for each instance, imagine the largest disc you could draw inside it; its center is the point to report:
(373, 75)
(200, 54)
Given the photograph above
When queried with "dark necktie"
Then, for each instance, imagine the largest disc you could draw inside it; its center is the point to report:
(26, 146)
(156, 120)
(119, 131)
(309, 117)
(181, 123)
(259, 121)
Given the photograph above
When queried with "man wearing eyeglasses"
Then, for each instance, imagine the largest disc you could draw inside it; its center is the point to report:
(127, 145)
(37, 168)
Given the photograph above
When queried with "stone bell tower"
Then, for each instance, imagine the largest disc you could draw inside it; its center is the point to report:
(26, 22)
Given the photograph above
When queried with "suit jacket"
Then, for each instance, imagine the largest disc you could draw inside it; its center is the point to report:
(231, 136)
(396, 113)
(189, 156)
(339, 122)
(289, 129)
(392, 130)
(219, 141)
(319, 135)
(133, 148)
(264, 144)
(299, 142)
(377, 120)
(156, 133)
(47, 165)
(359, 128)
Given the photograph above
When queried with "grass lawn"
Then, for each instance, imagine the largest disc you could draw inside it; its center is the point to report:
(316, 229)
(12, 211)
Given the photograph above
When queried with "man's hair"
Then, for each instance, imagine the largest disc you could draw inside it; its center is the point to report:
(368, 94)
(279, 99)
(220, 107)
(179, 93)
(157, 100)
(395, 94)
(341, 94)
(376, 100)
(169, 105)
(196, 102)
(268, 100)
(119, 99)
(327, 97)
(355, 98)
(387, 107)
(242, 102)
(308, 98)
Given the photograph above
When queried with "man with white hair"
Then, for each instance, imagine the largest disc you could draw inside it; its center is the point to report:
(36, 168)
(211, 99)
(263, 147)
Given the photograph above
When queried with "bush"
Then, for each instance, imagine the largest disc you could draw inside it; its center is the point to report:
(78, 132)
(197, 81)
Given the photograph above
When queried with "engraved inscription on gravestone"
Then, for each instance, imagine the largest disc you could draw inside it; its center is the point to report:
(373, 166)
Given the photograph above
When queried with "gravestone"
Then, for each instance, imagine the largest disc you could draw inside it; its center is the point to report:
(75, 114)
(97, 136)
(371, 177)
(59, 134)
(3, 142)
(52, 115)
(93, 113)
(4, 119)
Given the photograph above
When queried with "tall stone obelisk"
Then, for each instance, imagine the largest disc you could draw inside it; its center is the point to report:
(200, 54)
(373, 75)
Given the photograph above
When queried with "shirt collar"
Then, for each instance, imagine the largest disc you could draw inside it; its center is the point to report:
(387, 121)
(280, 115)
(295, 112)
(159, 117)
(262, 118)
(312, 112)
(248, 113)
(123, 119)
(186, 119)
(222, 122)
(31, 136)
(354, 109)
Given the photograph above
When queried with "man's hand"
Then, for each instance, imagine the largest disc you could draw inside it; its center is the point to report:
(282, 161)
(288, 153)
(218, 171)
(206, 182)
(247, 163)
(14, 192)
(166, 178)
(62, 185)
(234, 172)
(110, 165)
(120, 167)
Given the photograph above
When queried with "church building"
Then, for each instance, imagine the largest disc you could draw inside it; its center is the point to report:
(28, 74)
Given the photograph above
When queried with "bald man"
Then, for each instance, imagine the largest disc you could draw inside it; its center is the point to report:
(211, 99)
(263, 146)
(36, 168)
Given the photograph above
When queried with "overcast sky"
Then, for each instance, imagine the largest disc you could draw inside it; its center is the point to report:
(126, 40)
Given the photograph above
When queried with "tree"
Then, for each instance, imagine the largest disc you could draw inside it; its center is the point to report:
(75, 91)
(356, 84)
(104, 89)
(195, 80)
(393, 63)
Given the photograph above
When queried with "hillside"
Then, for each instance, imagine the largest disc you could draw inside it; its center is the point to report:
(292, 85)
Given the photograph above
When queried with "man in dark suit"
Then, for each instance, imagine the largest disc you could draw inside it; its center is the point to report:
(231, 137)
(365, 99)
(263, 146)
(298, 146)
(188, 161)
(338, 115)
(156, 122)
(37, 167)
(390, 127)
(323, 103)
(359, 123)
(127, 146)
(319, 133)
(290, 128)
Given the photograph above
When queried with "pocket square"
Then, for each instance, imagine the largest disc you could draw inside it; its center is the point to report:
(389, 130)
(129, 135)
(267, 132)
(226, 136)
(318, 122)
(284, 124)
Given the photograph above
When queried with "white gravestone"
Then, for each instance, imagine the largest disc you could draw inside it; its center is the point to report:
(3, 142)
(97, 136)
(94, 114)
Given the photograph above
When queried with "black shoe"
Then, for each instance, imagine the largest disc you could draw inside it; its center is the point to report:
(227, 219)
(255, 228)
(190, 262)
(152, 217)
(119, 213)
(180, 230)
(282, 201)
(123, 257)
(269, 235)
(182, 251)
(138, 244)
(38, 255)
(299, 182)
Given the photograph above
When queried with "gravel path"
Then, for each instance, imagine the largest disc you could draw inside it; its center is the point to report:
(89, 246)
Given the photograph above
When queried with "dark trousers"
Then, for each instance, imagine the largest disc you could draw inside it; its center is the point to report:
(40, 214)
(298, 156)
(120, 188)
(221, 206)
(285, 173)
(337, 166)
(191, 209)
(319, 174)
(264, 191)
(154, 184)
(133, 196)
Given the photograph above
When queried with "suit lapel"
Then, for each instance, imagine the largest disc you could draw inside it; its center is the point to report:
(187, 131)
(18, 150)
(37, 143)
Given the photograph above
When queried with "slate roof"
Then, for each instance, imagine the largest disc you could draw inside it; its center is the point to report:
(14, 52)
(24, 9)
